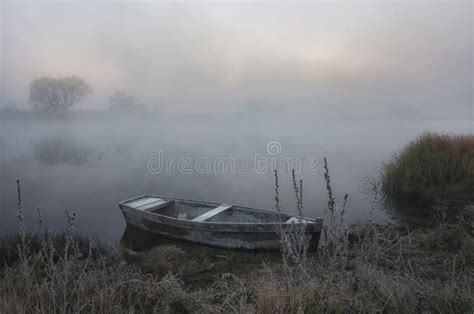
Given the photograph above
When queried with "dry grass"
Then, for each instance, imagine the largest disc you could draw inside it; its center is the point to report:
(62, 279)
(384, 269)
(433, 168)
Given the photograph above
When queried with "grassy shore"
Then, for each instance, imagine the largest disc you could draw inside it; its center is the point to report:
(397, 268)
(370, 268)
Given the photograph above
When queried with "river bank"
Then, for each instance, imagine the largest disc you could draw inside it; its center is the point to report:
(370, 268)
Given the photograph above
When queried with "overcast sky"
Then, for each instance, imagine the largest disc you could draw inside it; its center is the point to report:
(332, 57)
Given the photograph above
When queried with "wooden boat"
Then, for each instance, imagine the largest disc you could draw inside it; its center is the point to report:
(214, 224)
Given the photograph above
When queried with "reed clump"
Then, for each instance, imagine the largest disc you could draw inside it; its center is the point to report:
(433, 169)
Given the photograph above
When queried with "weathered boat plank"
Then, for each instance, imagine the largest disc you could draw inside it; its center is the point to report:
(143, 201)
(212, 213)
(159, 203)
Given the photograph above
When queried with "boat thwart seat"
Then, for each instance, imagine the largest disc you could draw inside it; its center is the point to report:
(212, 213)
(149, 203)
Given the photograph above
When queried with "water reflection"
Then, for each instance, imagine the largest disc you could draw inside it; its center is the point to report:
(60, 150)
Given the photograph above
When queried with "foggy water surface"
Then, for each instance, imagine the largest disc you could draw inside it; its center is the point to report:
(88, 162)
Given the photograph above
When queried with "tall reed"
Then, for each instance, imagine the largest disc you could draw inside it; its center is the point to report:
(294, 237)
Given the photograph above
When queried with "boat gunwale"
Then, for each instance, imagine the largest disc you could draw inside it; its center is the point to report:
(312, 221)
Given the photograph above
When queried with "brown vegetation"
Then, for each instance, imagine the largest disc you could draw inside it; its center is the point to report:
(374, 269)
(433, 169)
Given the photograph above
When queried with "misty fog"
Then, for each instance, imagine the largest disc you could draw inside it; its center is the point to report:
(352, 82)
(87, 164)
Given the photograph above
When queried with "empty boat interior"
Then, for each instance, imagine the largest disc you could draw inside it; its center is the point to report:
(204, 212)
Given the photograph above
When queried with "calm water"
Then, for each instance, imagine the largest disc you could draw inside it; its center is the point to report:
(90, 162)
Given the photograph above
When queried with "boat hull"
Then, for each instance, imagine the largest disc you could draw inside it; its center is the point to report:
(245, 236)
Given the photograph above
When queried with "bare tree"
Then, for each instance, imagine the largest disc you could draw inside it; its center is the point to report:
(59, 94)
